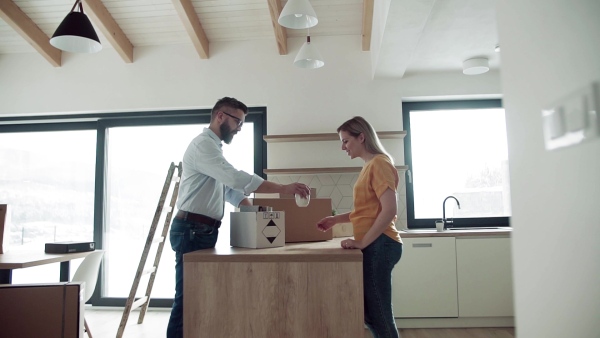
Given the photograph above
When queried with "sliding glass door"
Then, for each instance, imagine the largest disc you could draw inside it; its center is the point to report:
(137, 164)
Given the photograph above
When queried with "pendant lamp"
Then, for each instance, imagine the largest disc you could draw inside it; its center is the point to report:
(309, 56)
(76, 34)
(475, 66)
(298, 14)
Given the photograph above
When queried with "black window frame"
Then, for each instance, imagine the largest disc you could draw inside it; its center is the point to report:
(425, 223)
(101, 122)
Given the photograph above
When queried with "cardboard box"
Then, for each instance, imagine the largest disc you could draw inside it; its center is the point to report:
(301, 223)
(313, 193)
(253, 208)
(263, 229)
(42, 310)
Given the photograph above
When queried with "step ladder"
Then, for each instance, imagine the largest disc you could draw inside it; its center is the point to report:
(171, 186)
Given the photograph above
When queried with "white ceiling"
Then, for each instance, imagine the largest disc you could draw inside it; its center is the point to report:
(418, 35)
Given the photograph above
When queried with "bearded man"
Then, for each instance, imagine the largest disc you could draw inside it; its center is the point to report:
(207, 181)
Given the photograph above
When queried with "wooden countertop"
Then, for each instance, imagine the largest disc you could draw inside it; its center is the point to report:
(325, 251)
(478, 232)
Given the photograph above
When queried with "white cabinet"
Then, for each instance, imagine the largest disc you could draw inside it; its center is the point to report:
(484, 277)
(424, 281)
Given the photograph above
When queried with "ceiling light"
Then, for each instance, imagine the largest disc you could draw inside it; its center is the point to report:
(76, 34)
(298, 14)
(475, 66)
(497, 48)
(309, 56)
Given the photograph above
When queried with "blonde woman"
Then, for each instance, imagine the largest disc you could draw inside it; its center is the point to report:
(373, 221)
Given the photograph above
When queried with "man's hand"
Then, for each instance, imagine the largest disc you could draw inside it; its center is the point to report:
(290, 189)
(245, 201)
(297, 188)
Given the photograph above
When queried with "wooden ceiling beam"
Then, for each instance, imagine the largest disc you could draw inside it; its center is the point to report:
(109, 27)
(192, 25)
(22, 24)
(367, 24)
(275, 9)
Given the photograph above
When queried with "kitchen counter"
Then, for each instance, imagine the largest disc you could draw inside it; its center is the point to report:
(299, 290)
(324, 251)
(478, 232)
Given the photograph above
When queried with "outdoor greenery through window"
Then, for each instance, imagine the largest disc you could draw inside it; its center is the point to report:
(457, 149)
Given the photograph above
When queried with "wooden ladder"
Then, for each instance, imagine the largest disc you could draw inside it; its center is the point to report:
(131, 303)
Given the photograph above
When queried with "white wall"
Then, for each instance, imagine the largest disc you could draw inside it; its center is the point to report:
(549, 49)
(174, 77)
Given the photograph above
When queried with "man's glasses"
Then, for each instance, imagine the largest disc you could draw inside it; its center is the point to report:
(239, 121)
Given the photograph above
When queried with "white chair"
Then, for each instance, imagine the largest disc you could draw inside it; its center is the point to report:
(88, 272)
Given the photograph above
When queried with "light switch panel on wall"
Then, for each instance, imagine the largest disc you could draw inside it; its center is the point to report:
(573, 119)
(554, 122)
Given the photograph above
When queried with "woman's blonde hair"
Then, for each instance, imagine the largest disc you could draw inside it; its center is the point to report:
(357, 125)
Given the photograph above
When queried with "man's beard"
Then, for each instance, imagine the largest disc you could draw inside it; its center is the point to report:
(226, 133)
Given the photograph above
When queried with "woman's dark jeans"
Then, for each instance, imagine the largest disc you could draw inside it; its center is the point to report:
(379, 259)
(186, 236)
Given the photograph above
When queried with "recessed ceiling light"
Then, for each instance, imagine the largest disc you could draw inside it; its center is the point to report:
(475, 66)
(497, 48)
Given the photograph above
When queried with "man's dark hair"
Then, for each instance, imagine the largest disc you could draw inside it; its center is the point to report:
(231, 103)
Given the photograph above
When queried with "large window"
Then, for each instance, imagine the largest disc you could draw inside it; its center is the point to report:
(47, 179)
(457, 148)
(138, 162)
(99, 177)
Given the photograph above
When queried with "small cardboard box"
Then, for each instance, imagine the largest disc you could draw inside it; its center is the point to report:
(301, 222)
(262, 229)
(42, 310)
(313, 193)
(253, 208)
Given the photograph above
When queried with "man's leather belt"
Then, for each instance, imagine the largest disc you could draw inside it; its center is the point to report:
(190, 216)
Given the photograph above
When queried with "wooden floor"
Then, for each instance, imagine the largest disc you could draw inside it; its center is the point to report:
(502, 332)
(104, 322)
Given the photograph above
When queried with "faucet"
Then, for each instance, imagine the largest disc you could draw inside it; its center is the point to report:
(444, 210)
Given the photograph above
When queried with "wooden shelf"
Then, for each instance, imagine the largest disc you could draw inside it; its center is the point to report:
(326, 137)
(310, 171)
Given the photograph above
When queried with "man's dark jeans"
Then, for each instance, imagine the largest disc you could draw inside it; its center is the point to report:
(379, 259)
(186, 236)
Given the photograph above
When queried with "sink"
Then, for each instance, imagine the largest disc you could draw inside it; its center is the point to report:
(474, 228)
(427, 230)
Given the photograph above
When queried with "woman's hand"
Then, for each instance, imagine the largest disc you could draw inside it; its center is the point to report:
(352, 244)
(326, 223)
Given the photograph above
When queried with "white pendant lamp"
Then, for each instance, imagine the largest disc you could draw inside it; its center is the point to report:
(309, 56)
(298, 14)
(475, 66)
(76, 34)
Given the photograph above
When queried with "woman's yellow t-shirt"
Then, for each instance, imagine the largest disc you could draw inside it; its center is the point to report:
(375, 178)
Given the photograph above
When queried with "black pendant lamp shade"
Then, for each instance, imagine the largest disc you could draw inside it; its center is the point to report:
(76, 34)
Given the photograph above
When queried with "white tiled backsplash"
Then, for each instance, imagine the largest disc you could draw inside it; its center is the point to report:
(339, 188)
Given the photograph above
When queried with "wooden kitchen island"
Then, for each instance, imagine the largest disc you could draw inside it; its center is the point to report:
(300, 290)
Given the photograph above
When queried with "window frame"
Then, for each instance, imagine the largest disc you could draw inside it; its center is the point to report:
(424, 223)
(101, 122)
